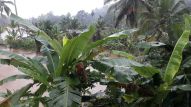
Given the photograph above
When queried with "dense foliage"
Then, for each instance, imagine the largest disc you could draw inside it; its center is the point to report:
(148, 68)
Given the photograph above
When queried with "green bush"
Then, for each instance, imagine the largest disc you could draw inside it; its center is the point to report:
(23, 43)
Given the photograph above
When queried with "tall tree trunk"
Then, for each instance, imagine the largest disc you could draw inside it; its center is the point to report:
(38, 47)
(16, 12)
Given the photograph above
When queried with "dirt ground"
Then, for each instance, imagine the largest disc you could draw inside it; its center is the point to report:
(6, 71)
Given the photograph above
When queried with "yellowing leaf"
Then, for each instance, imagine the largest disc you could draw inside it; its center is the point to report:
(65, 40)
(128, 98)
(176, 57)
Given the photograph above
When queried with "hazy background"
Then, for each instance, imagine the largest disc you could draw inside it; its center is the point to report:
(35, 8)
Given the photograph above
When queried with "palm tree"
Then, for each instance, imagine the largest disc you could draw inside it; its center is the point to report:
(99, 27)
(16, 12)
(4, 8)
(160, 21)
(128, 9)
(153, 17)
(65, 22)
(74, 24)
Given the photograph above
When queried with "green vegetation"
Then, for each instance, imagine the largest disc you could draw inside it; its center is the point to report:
(23, 43)
(146, 66)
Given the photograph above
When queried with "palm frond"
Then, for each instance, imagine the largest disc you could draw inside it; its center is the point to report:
(108, 1)
(177, 7)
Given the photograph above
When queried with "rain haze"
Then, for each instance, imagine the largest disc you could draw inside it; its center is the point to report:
(35, 8)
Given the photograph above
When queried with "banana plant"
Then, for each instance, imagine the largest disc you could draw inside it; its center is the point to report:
(60, 72)
(176, 57)
(152, 86)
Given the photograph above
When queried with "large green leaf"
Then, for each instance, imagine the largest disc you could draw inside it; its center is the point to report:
(29, 66)
(74, 49)
(45, 39)
(40, 91)
(13, 99)
(23, 22)
(37, 66)
(34, 70)
(13, 78)
(146, 71)
(77, 45)
(35, 75)
(120, 68)
(123, 54)
(186, 87)
(63, 95)
(52, 58)
(18, 94)
(14, 56)
(15, 60)
(176, 57)
(5, 61)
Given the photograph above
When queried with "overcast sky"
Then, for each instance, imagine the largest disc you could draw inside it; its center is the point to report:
(34, 8)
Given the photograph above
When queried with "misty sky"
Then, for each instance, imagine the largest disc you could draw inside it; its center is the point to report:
(34, 8)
